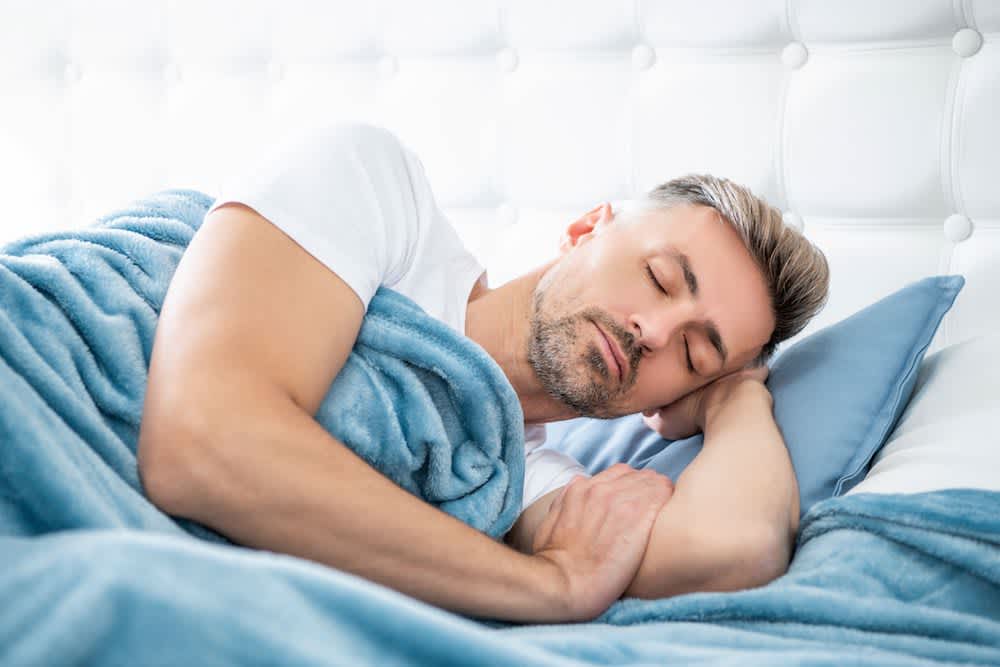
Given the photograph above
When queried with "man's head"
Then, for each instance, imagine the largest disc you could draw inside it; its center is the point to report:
(700, 274)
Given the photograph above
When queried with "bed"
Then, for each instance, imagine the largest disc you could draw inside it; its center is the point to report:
(867, 123)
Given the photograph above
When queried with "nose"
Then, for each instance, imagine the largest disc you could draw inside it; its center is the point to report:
(654, 328)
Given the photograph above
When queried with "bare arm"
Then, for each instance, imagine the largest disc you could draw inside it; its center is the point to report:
(252, 333)
(732, 519)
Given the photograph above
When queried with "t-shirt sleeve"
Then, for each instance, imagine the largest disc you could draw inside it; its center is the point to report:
(344, 193)
(546, 470)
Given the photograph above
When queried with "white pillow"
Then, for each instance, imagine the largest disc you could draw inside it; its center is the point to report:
(949, 434)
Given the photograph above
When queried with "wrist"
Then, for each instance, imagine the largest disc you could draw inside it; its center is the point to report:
(740, 391)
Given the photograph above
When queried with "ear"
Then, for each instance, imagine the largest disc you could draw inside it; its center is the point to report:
(584, 228)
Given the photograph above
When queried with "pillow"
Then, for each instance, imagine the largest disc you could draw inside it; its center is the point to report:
(837, 395)
(946, 438)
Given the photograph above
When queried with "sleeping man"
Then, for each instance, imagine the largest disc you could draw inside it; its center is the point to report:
(670, 308)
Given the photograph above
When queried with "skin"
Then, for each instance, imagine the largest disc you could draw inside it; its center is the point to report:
(601, 276)
(540, 328)
(240, 366)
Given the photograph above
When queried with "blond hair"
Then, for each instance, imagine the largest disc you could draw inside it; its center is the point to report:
(796, 271)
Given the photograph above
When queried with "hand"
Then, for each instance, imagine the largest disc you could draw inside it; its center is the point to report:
(596, 533)
(687, 415)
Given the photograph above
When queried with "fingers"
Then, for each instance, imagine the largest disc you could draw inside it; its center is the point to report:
(605, 510)
(605, 517)
(627, 482)
(635, 499)
(614, 472)
(619, 470)
(758, 373)
(621, 479)
(641, 483)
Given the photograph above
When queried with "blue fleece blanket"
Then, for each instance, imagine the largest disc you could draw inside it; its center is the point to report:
(420, 402)
(876, 580)
(92, 574)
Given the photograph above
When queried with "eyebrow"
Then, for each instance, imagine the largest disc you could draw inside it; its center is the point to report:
(692, 282)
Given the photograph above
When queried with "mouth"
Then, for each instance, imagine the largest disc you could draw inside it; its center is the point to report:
(614, 353)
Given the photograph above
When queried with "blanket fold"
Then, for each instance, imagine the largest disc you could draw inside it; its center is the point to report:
(92, 573)
(420, 402)
(907, 580)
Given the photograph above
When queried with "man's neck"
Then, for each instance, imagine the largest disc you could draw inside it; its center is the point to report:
(498, 320)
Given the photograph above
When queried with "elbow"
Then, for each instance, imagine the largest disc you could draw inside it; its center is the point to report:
(722, 560)
(167, 468)
(756, 559)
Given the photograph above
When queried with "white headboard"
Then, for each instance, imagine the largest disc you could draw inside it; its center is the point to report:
(871, 123)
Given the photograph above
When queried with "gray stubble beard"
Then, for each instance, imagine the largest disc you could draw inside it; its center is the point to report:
(550, 347)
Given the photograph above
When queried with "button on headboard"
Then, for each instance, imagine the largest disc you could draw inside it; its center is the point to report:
(872, 125)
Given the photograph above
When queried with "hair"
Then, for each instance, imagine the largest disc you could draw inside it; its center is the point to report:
(796, 271)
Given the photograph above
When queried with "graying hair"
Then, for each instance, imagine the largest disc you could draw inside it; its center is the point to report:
(796, 271)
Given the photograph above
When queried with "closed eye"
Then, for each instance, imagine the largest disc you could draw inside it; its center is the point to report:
(687, 353)
(652, 277)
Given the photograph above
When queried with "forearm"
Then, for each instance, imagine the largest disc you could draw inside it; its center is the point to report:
(290, 487)
(732, 520)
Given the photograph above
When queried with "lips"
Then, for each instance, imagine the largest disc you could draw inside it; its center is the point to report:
(616, 353)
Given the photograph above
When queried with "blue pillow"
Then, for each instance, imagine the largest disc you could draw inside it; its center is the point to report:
(837, 396)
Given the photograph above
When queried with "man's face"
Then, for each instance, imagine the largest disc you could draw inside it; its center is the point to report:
(627, 283)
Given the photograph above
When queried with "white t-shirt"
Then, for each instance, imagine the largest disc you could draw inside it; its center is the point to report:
(358, 200)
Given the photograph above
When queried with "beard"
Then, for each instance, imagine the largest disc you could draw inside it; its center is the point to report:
(567, 375)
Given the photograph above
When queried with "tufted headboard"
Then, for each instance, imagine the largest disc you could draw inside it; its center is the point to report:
(871, 124)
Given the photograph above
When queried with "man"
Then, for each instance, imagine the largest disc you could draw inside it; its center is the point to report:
(671, 306)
